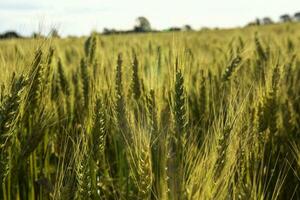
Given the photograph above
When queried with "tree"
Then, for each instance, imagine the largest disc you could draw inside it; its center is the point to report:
(257, 21)
(174, 29)
(37, 35)
(142, 25)
(106, 31)
(251, 24)
(54, 33)
(10, 35)
(285, 18)
(297, 16)
(187, 28)
(267, 20)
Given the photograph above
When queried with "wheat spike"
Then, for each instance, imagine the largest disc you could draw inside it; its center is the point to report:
(179, 105)
(120, 102)
(85, 77)
(98, 131)
(64, 84)
(230, 69)
(136, 88)
(8, 115)
(36, 77)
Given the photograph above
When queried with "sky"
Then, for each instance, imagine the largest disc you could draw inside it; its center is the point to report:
(80, 17)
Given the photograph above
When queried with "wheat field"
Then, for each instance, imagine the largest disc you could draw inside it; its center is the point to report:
(207, 115)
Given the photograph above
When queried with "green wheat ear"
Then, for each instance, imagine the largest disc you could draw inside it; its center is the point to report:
(203, 98)
(152, 115)
(85, 77)
(271, 105)
(90, 48)
(64, 84)
(78, 99)
(267, 111)
(136, 88)
(8, 116)
(118, 81)
(83, 174)
(145, 174)
(177, 145)
(259, 49)
(48, 69)
(36, 77)
(260, 120)
(120, 102)
(10, 106)
(179, 105)
(222, 151)
(2, 92)
(98, 131)
(231, 68)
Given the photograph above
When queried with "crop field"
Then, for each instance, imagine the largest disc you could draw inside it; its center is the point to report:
(204, 115)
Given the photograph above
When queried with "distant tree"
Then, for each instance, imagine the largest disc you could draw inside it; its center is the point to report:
(174, 29)
(10, 35)
(297, 16)
(267, 21)
(142, 25)
(257, 22)
(187, 28)
(37, 35)
(251, 24)
(54, 33)
(107, 31)
(205, 29)
(285, 18)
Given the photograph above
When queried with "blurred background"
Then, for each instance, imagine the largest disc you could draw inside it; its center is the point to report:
(76, 17)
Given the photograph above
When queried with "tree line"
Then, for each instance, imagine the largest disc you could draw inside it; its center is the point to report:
(285, 18)
(143, 26)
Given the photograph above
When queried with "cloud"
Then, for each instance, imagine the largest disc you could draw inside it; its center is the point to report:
(20, 6)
